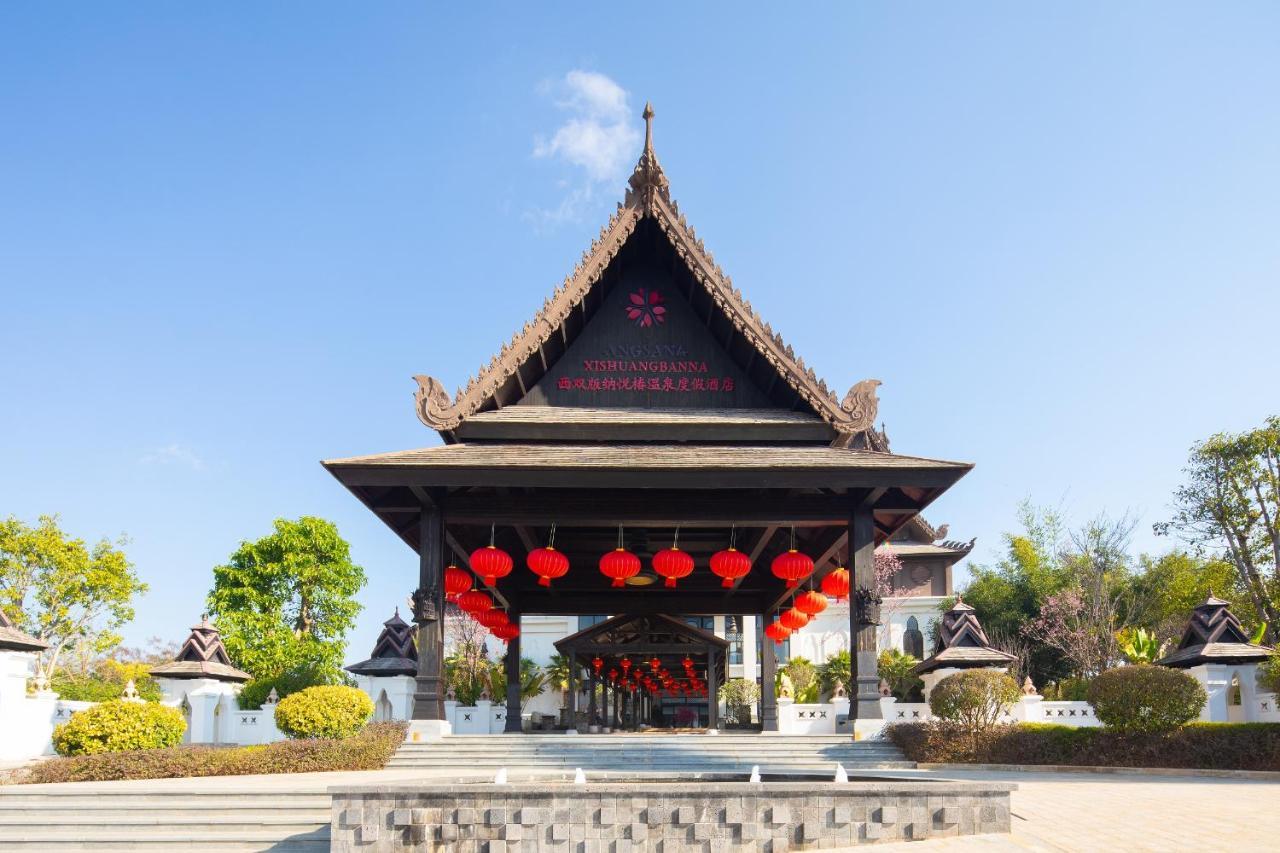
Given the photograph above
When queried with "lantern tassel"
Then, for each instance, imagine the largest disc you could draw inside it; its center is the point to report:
(544, 581)
(670, 582)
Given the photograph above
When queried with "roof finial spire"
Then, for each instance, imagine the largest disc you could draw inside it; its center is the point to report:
(648, 125)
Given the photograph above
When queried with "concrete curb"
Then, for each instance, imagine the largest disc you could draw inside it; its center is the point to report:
(1254, 775)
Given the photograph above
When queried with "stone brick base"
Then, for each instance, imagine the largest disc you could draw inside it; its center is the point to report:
(702, 815)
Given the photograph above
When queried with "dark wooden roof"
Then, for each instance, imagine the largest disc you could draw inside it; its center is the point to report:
(962, 643)
(13, 639)
(394, 652)
(202, 656)
(649, 218)
(1214, 635)
(723, 466)
(572, 423)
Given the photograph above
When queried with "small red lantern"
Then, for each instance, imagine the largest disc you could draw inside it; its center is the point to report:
(596, 663)
(613, 675)
(456, 582)
(792, 567)
(548, 564)
(625, 663)
(836, 584)
(793, 619)
(777, 632)
(811, 602)
(654, 664)
(619, 564)
(474, 601)
(672, 564)
(492, 618)
(506, 633)
(730, 565)
(491, 563)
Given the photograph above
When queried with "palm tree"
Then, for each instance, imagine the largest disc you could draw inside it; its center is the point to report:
(557, 673)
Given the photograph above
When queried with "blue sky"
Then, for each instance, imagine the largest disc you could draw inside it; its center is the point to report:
(230, 233)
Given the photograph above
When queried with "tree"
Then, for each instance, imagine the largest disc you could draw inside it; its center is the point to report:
(838, 668)
(62, 591)
(1230, 504)
(286, 602)
(897, 669)
(1169, 586)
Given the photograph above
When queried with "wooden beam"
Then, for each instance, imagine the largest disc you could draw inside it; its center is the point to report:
(655, 509)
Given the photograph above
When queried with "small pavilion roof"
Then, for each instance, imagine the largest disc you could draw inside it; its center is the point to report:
(641, 637)
(202, 656)
(1214, 635)
(394, 652)
(962, 644)
(15, 640)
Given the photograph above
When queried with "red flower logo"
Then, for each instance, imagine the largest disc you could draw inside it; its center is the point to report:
(646, 308)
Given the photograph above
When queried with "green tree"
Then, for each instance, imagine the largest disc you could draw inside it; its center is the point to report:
(1229, 504)
(898, 671)
(286, 602)
(72, 596)
(839, 667)
(804, 679)
(1169, 586)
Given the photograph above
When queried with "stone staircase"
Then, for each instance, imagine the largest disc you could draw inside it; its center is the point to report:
(147, 817)
(650, 753)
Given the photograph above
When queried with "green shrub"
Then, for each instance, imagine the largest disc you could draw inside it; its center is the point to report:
(975, 698)
(1205, 746)
(368, 750)
(804, 679)
(1066, 690)
(1146, 698)
(897, 668)
(839, 667)
(1269, 673)
(117, 726)
(105, 681)
(255, 691)
(740, 696)
(324, 712)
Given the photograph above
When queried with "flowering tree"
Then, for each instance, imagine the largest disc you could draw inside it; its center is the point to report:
(887, 565)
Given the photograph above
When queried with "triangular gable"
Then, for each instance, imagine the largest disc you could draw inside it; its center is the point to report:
(640, 629)
(523, 363)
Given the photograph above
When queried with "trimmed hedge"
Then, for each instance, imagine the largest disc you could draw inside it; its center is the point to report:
(1202, 746)
(1146, 698)
(975, 698)
(368, 750)
(119, 726)
(324, 712)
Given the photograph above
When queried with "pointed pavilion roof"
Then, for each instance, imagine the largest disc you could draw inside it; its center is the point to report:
(1214, 635)
(202, 656)
(962, 644)
(394, 653)
(12, 639)
(648, 197)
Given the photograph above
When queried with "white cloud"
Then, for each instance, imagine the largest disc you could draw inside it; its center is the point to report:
(173, 454)
(599, 135)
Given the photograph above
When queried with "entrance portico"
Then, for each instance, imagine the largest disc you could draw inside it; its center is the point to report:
(647, 401)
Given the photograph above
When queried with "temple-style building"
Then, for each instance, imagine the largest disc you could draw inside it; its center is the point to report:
(645, 423)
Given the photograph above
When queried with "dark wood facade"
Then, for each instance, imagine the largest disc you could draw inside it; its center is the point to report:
(605, 412)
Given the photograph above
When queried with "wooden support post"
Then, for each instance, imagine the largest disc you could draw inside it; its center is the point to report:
(513, 680)
(713, 697)
(862, 634)
(768, 675)
(591, 700)
(573, 691)
(428, 614)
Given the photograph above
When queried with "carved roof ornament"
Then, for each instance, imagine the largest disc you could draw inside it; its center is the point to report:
(1214, 635)
(648, 196)
(962, 643)
(394, 652)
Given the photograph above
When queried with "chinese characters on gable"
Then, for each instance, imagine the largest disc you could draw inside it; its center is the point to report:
(664, 377)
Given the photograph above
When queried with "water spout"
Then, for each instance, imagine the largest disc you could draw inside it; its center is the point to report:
(579, 778)
(500, 778)
(841, 776)
(755, 773)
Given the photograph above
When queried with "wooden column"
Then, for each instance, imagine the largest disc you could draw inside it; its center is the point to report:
(768, 673)
(573, 691)
(428, 614)
(862, 636)
(513, 680)
(713, 698)
(591, 700)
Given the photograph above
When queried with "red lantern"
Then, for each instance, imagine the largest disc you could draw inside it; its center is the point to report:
(474, 601)
(597, 663)
(613, 675)
(792, 567)
(654, 664)
(492, 618)
(730, 564)
(506, 633)
(625, 663)
(672, 563)
(811, 602)
(777, 632)
(548, 564)
(836, 584)
(491, 563)
(456, 582)
(793, 619)
(619, 564)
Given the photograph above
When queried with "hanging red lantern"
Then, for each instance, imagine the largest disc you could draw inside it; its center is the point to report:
(654, 664)
(506, 633)
(777, 632)
(596, 663)
(672, 564)
(811, 602)
(836, 584)
(730, 565)
(474, 601)
(619, 565)
(548, 564)
(794, 619)
(792, 567)
(492, 618)
(625, 663)
(613, 674)
(491, 563)
(456, 582)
